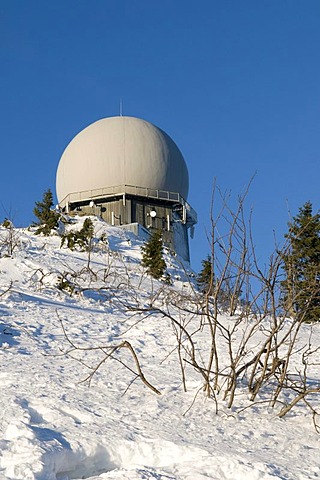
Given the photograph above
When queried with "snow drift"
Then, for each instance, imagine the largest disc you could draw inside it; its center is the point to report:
(55, 426)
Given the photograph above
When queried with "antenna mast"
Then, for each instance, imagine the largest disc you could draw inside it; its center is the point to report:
(120, 107)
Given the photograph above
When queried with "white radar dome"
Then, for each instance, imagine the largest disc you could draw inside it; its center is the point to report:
(118, 151)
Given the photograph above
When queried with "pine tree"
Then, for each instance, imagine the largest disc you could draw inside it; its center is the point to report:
(81, 239)
(301, 287)
(152, 256)
(205, 278)
(47, 218)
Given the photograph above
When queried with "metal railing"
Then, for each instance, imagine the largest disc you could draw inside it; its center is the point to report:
(119, 190)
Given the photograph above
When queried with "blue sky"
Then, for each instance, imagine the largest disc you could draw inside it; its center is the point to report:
(235, 83)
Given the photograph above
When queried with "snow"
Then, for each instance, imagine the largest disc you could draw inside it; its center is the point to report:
(54, 426)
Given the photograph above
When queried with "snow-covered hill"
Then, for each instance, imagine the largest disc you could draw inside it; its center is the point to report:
(55, 426)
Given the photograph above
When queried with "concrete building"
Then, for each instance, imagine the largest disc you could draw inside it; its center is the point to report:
(132, 174)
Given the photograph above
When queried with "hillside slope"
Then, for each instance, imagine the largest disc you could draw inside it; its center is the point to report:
(55, 426)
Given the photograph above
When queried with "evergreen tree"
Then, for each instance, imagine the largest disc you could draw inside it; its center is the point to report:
(205, 278)
(152, 256)
(47, 218)
(81, 239)
(301, 287)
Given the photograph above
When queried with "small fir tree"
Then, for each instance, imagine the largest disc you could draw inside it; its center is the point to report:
(205, 278)
(301, 287)
(7, 223)
(81, 239)
(152, 256)
(47, 218)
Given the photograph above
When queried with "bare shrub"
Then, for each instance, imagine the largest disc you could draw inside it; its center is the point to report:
(236, 335)
(9, 238)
